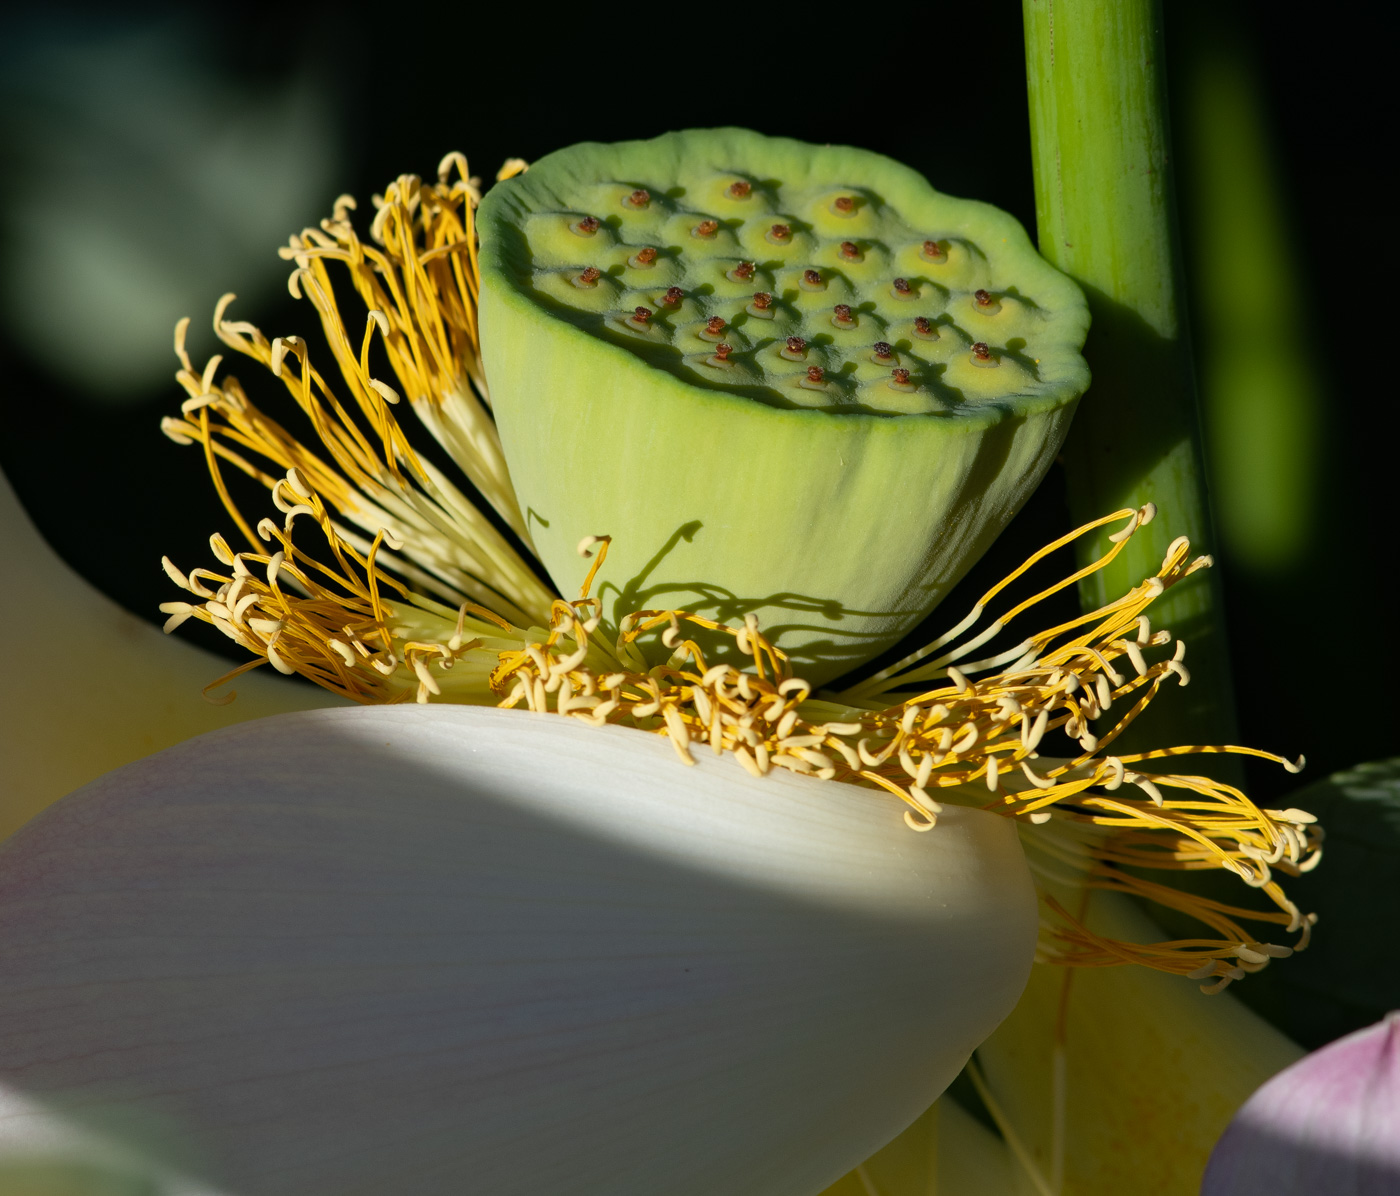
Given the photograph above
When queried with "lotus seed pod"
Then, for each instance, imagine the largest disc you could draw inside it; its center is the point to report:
(861, 382)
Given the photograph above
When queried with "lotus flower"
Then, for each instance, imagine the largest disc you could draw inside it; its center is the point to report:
(444, 948)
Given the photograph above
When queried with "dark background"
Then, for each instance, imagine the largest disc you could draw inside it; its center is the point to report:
(1314, 645)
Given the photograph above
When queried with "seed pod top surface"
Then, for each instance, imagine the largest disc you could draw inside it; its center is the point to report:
(790, 381)
(776, 239)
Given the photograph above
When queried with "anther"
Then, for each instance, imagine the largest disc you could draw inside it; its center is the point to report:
(924, 329)
(587, 226)
(742, 272)
(883, 353)
(720, 357)
(812, 280)
(705, 229)
(899, 380)
(779, 234)
(850, 251)
(842, 317)
(589, 277)
(639, 198)
(673, 296)
(934, 252)
(795, 349)
(714, 328)
(644, 257)
(902, 289)
(982, 355)
(739, 189)
(843, 205)
(640, 318)
(815, 378)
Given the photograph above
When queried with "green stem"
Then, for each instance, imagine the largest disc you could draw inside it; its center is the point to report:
(1106, 216)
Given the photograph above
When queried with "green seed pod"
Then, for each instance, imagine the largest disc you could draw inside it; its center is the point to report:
(789, 380)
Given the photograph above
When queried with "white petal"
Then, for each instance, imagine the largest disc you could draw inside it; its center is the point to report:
(446, 950)
(89, 686)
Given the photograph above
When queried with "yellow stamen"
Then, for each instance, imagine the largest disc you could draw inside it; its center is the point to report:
(431, 601)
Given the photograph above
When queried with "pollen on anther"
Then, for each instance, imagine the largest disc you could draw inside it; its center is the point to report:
(841, 316)
(740, 189)
(587, 226)
(900, 377)
(589, 277)
(780, 232)
(641, 314)
(796, 344)
(924, 326)
(815, 373)
(714, 325)
(902, 289)
(639, 198)
(706, 229)
(673, 296)
(762, 300)
(646, 256)
(811, 277)
(884, 351)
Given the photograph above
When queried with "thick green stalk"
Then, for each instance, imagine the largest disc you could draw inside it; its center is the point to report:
(1260, 385)
(1105, 211)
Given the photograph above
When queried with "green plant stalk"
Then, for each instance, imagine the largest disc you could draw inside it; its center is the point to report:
(1260, 385)
(1105, 214)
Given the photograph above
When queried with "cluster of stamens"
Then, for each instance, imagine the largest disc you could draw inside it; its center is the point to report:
(394, 613)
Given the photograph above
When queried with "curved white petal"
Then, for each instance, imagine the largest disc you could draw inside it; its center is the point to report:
(445, 950)
(946, 1152)
(90, 686)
